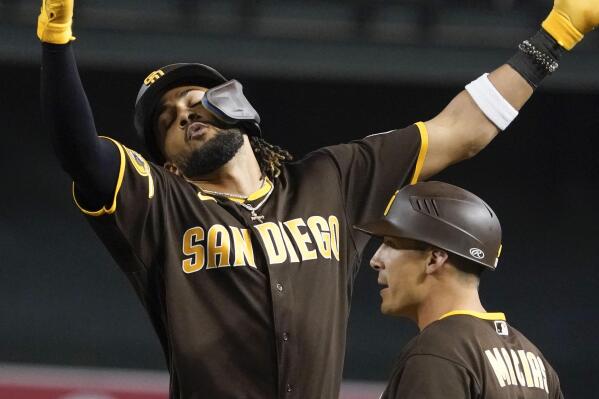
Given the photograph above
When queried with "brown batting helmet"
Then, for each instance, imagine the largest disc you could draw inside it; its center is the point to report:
(445, 216)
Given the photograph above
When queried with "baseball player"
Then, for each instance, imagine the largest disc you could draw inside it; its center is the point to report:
(438, 239)
(244, 260)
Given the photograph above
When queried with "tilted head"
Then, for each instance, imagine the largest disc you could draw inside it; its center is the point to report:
(425, 226)
(222, 103)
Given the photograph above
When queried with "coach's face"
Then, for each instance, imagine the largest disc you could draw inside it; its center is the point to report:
(401, 266)
(190, 137)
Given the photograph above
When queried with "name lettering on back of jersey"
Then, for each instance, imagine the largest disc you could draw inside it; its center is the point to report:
(292, 241)
(517, 367)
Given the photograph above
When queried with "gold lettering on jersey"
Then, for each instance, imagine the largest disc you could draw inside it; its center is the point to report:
(498, 365)
(242, 242)
(219, 243)
(290, 250)
(193, 249)
(273, 242)
(334, 227)
(292, 241)
(543, 374)
(516, 362)
(525, 369)
(508, 363)
(301, 239)
(537, 376)
(320, 230)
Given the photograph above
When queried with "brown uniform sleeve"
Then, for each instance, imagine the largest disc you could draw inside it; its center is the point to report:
(372, 169)
(430, 377)
(555, 390)
(135, 215)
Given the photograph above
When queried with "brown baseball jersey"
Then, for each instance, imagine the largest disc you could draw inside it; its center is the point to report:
(251, 298)
(472, 355)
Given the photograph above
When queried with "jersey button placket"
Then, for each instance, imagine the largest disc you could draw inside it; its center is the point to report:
(286, 373)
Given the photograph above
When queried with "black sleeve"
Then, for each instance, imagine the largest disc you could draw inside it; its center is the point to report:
(91, 162)
(372, 169)
(431, 377)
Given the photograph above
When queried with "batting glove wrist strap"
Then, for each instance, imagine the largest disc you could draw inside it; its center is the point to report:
(560, 27)
(491, 102)
(55, 21)
(537, 58)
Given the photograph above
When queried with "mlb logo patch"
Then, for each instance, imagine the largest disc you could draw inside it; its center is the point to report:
(501, 327)
(135, 157)
(138, 162)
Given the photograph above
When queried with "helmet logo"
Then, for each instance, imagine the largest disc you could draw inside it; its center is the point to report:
(154, 76)
(477, 253)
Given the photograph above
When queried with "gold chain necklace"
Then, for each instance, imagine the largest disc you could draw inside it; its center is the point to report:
(225, 195)
(252, 209)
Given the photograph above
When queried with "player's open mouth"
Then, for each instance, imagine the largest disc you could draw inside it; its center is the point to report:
(195, 130)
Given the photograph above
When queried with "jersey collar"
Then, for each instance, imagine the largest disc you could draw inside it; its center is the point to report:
(261, 192)
(478, 315)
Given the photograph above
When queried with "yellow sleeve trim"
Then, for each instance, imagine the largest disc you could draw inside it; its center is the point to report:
(560, 27)
(390, 203)
(119, 182)
(422, 154)
(478, 315)
(419, 161)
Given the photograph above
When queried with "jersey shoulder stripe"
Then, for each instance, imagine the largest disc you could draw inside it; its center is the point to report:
(422, 153)
(137, 164)
(112, 208)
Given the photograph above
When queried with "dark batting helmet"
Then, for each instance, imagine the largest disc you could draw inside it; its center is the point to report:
(224, 99)
(445, 216)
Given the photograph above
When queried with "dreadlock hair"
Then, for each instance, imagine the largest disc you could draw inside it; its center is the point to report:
(270, 157)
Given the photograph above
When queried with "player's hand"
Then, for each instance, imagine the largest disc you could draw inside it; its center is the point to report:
(55, 21)
(571, 19)
(584, 14)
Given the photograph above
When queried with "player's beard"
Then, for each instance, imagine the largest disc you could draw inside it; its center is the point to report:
(216, 152)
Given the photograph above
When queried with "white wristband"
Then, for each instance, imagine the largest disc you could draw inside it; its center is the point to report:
(491, 102)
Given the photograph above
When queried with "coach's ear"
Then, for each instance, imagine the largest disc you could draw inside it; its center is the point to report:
(436, 259)
(171, 167)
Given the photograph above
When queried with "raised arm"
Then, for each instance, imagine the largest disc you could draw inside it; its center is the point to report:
(476, 115)
(90, 161)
